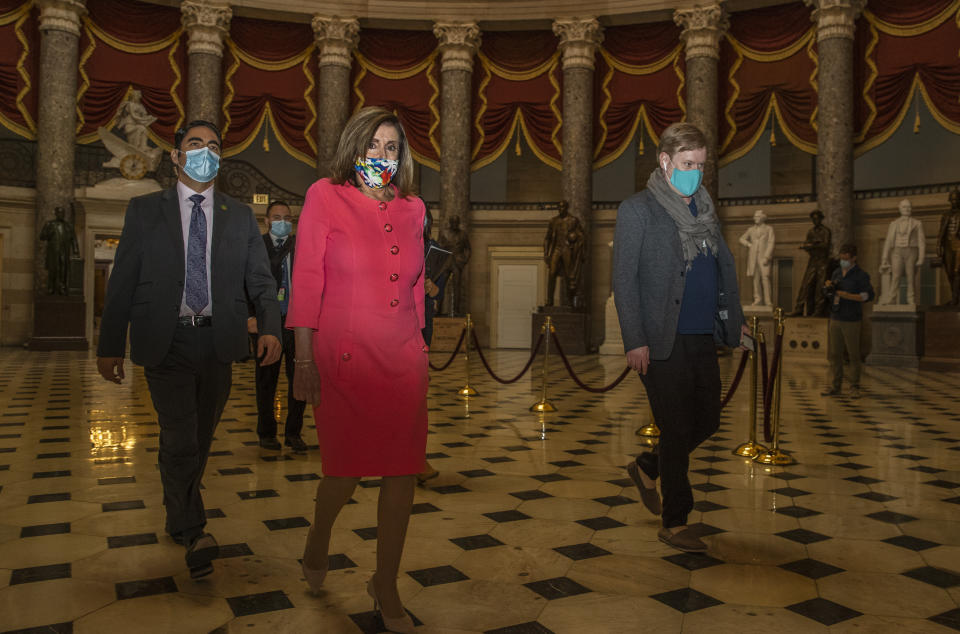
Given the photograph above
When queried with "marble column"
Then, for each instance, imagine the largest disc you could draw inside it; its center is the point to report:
(836, 20)
(207, 24)
(579, 39)
(459, 42)
(336, 39)
(702, 29)
(57, 116)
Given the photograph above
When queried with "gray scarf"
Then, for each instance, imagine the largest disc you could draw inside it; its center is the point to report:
(697, 235)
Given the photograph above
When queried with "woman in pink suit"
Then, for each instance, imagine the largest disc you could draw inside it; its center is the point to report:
(357, 307)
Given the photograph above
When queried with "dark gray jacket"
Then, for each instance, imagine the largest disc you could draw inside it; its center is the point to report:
(649, 275)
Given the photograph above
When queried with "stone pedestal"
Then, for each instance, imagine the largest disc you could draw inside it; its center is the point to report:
(941, 345)
(896, 337)
(612, 338)
(59, 323)
(446, 332)
(571, 328)
(803, 338)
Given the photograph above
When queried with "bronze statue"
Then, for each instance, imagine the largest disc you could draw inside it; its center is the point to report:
(810, 300)
(563, 253)
(61, 242)
(948, 247)
(454, 239)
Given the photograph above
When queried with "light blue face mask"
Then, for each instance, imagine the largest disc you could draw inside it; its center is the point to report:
(687, 182)
(281, 228)
(201, 165)
(845, 264)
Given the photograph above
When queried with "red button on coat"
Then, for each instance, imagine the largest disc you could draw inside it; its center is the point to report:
(388, 227)
(394, 249)
(346, 356)
(425, 349)
(394, 277)
(394, 302)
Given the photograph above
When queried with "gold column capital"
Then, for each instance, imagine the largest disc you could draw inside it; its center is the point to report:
(579, 39)
(207, 24)
(835, 18)
(336, 39)
(459, 42)
(702, 29)
(61, 15)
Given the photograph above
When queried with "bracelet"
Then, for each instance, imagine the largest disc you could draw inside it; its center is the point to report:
(303, 360)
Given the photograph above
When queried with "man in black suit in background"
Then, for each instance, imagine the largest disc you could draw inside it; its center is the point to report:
(280, 243)
(185, 256)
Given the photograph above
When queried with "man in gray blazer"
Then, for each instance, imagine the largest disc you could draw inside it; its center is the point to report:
(185, 256)
(675, 286)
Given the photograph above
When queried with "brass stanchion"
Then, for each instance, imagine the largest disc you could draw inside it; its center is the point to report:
(543, 405)
(650, 430)
(775, 455)
(466, 391)
(751, 448)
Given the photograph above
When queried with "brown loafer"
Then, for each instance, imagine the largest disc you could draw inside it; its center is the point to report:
(686, 540)
(649, 497)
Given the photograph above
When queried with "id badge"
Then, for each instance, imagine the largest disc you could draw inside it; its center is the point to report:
(281, 294)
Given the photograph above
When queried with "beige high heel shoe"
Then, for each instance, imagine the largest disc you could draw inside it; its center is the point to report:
(314, 577)
(400, 624)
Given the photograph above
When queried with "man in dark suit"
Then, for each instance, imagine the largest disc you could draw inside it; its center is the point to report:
(280, 243)
(186, 254)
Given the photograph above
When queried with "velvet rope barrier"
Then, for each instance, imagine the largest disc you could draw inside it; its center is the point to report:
(581, 384)
(452, 356)
(768, 388)
(736, 379)
(483, 360)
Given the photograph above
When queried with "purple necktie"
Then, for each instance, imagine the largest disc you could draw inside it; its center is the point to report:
(196, 292)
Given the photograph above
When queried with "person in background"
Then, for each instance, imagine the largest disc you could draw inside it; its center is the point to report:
(188, 256)
(357, 310)
(846, 291)
(675, 287)
(281, 244)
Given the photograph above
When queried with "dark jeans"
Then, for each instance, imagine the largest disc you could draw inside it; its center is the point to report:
(266, 379)
(189, 390)
(684, 393)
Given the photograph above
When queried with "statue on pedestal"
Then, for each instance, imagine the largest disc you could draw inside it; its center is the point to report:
(61, 242)
(810, 300)
(563, 253)
(760, 240)
(903, 252)
(948, 247)
(454, 239)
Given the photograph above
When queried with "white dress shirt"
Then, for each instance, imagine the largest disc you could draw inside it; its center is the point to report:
(186, 211)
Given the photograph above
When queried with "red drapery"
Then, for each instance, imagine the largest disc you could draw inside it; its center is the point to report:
(125, 46)
(269, 79)
(903, 49)
(19, 55)
(398, 70)
(517, 91)
(767, 68)
(636, 84)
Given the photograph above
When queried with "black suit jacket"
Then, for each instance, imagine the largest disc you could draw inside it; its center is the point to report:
(146, 286)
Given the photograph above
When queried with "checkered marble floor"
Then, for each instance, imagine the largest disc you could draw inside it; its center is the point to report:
(531, 527)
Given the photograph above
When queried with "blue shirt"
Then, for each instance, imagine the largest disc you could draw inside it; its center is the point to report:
(700, 294)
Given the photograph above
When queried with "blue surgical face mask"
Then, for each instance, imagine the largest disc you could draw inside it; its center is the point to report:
(201, 165)
(687, 182)
(845, 264)
(281, 228)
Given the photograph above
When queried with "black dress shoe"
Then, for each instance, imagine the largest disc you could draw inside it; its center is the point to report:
(296, 443)
(270, 443)
(200, 554)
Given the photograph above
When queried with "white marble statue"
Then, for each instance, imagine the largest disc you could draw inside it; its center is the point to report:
(760, 240)
(903, 253)
(133, 156)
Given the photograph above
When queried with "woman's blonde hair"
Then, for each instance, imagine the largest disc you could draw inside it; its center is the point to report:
(355, 139)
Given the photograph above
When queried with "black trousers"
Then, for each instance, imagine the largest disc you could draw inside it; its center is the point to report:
(684, 392)
(267, 378)
(189, 390)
